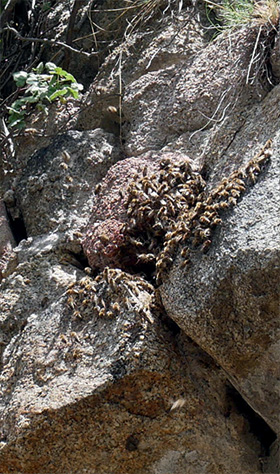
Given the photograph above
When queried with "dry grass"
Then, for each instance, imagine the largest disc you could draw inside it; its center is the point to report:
(237, 12)
(267, 11)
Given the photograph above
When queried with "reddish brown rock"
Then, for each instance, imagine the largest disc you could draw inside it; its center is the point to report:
(105, 231)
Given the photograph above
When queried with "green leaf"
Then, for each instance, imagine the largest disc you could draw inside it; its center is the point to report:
(30, 99)
(20, 78)
(40, 68)
(58, 93)
(77, 86)
(42, 89)
(73, 92)
(18, 104)
(50, 67)
(32, 78)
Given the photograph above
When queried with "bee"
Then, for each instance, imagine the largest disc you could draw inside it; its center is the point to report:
(69, 178)
(75, 336)
(140, 214)
(31, 131)
(266, 154)
(157, 227)
(109, 314)
(66, 157)
(97, 188)
(85, 302)
(112, 110)
(216, 221)
(232, 201)
(239, 181)
(76, 353)
(167, 260)
(205, 234)
(204, 220)
(77, 314)
(101, 313)
(224, 193)
(63, 338)
(186, 235)
(209, 201)
(162, 189)
(146, 258)
(137, 243)
(88, 270)
(235, 193)
(150, 214)
(178, 404)
(216, 191)
(256, 168)
(185, 252)
(165, 163)
(239, 188)
(116, 307)
(184, 263)
(119, 277)
(130, 211)
(210, 215)
(71, 302)
(72, 291)
(223, 205)
(206, 245)
(106, 274)
(171, 209)
(162, 212)
(78, 234)
(200, 206)
(63, 166)
(104, 238)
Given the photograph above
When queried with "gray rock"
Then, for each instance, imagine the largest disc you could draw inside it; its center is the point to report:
(94, 376)
(187, 97)
(228, 299)
(98, 391)
(7, 241)
(55, 190)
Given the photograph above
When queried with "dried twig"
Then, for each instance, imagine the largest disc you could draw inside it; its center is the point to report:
(49, 41)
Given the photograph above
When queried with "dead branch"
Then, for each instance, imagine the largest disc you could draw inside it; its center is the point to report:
(48, 41)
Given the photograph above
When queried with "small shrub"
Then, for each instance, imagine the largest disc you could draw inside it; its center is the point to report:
(45, 84)
(233, 13)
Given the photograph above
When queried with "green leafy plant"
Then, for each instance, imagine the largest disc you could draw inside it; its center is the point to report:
(45, 84)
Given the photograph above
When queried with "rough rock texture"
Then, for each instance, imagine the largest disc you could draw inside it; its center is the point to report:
(95, 377)
(101, 390)
(54, 191)
(6, 239)
(106, 241)
(228, 300)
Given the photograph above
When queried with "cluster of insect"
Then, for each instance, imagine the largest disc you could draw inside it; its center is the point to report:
(168, 213)
(108, 292)
(170, 210)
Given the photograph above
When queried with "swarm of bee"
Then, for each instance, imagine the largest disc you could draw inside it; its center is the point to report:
(111, 292)
(167, 212)
(171, 209)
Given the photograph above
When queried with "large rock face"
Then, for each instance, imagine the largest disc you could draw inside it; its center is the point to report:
(54, 192)
(228, 299)
(163, 357)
